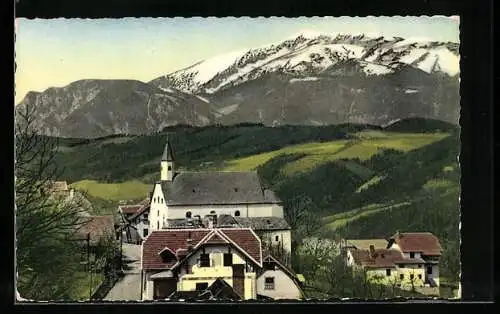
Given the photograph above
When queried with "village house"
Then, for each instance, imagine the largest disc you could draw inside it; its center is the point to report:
(419, 246)
(408, 260)
(277, 281)
(192, 259)
(97, 229)
(181, 195)
(134, 222)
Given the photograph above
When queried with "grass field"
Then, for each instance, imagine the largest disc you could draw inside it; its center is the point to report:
(83, 285)
(338, 220)
(129, 190)
(363, 147)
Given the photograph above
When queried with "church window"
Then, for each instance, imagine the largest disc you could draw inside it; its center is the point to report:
(188, 214)
(277, 238)
(237, 213)
(169, 168)
(212, 212)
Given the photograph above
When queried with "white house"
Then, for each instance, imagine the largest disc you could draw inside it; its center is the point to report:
(409, 260)
(135, 222)
(193, 259)
(187, 194)
(277, 281)
(420, 246)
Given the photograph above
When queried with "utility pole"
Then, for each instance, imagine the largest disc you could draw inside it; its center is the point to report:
(88, 265)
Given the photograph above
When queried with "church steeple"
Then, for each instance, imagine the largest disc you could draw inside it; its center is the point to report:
(167, 163)
(167, 152)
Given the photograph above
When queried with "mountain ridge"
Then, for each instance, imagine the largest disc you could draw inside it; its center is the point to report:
(313, 81)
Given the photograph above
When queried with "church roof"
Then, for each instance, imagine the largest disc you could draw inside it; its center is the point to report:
(263, 223)
(167, 153)
(228, 221)
(209, 188)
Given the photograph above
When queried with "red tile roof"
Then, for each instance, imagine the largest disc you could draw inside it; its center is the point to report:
(243, 239)
(424, 242)
(144, 208)
(383, 258)
(130, 209)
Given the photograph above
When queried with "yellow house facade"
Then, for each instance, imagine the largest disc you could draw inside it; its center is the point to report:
(191, 279)
(193, 259)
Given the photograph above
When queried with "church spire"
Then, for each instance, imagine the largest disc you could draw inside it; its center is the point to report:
(167, 163)
(167, 152)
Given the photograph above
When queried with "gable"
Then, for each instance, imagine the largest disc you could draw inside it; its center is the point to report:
(244, 240)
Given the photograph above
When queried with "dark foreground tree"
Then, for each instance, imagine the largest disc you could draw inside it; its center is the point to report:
(47, 257)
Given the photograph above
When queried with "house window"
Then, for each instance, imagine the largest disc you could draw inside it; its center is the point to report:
(228, 259)
(429, 270)
(188, 214)
(204, 260)
(412, 255)
(419, 265)
(200, 286)
(412, 276)
(387, 272)
(169, 168)
(419, 276)
(401, 276)
(145, 216)
(402, 266)
(277, 238)
(269, 283)
(237, 213)
(145, 232)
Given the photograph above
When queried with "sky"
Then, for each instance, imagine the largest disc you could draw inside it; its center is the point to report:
(56, 52)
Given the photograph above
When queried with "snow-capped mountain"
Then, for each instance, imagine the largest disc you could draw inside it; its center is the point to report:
(312, 55)
(310, 79)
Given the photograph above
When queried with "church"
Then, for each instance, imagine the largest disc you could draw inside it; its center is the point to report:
(187, 195)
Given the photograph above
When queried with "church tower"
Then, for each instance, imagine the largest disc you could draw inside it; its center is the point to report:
(167, 164)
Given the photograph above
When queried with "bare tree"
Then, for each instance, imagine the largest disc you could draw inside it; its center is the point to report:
(41, 216)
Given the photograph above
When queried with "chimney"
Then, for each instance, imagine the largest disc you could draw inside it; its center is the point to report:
(372, 251)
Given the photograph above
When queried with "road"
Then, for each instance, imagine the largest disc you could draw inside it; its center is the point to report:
(128, 287)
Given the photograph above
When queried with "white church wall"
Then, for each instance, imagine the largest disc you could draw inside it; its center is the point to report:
(250, 210)
(158, 209)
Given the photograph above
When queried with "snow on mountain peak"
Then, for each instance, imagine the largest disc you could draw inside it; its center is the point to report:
(314, 51)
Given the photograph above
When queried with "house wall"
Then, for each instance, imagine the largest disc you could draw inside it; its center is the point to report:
(158, 210)
(379, 275)
(141, 224)
(216, 270)
(435, 273)
(407, 271)
(246, 210)
(148, 288)
(284, 286)
(350, 258)
(284, 238)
